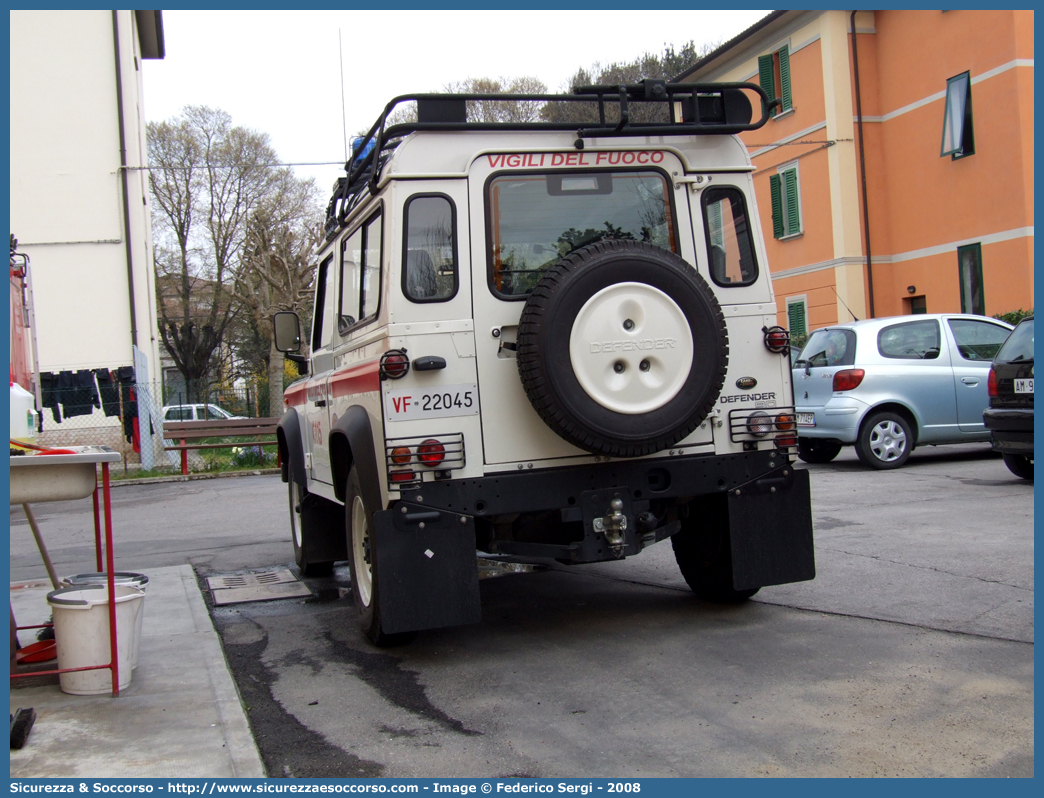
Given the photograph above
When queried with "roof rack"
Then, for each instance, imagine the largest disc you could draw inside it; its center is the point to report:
(649, 108)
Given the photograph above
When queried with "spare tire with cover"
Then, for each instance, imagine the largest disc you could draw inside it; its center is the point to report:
(622, 348)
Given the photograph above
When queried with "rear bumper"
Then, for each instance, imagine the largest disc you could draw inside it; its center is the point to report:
(1011, 429)
(837, 420)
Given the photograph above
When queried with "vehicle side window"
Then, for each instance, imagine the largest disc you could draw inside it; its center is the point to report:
(360, 275)
(213, 411)
(322, 323)
(730, 248)
(351, 268)
(179, 414)
(915, 340)
(977, 340)
(429, 269)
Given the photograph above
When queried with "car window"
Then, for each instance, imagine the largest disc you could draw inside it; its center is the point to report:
(915, 340)
(179, 414)
(535, 219)
(217, 412)
(430, 268)
(1019, 346)
(729, 246)
(977, 340)
(829, 348)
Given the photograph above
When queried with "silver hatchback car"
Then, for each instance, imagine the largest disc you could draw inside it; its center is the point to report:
(888, 385)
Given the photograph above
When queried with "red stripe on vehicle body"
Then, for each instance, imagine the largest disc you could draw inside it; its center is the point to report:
(356, 379)
(295, 396)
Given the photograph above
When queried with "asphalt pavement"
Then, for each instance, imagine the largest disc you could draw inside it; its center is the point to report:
(910, 654)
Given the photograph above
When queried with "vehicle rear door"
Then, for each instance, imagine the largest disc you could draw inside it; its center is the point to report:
(528, 209)
(915, 369)
(973, 345)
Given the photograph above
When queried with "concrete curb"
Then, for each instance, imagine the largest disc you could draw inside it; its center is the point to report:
(193, 477)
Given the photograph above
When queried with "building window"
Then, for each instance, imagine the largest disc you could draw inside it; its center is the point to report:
(958, 139)
(797, 317)
(786, 203)
(774, 76)
(969, 264)
(915, 305)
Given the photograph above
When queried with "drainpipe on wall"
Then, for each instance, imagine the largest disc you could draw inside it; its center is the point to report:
(862, 169)
(123, 178)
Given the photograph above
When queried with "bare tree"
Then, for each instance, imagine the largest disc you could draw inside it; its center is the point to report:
(501, 110)
(276, 270)
(206, 177)
(659, 67)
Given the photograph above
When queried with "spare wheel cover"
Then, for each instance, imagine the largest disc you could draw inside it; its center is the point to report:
(622, 348)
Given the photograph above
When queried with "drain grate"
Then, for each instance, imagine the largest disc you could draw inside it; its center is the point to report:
(263, 586)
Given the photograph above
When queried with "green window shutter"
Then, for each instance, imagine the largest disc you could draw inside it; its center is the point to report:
(784, 77)
(790, 187)
(717, 236)
(796, 318)
(765, 77)
(777, 206)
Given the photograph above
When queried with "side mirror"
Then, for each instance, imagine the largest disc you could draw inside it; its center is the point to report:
(287, 327)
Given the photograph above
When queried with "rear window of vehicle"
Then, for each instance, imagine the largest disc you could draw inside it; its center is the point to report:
(536, 219)
(915, 340)
(829, 348)
(1019, 346)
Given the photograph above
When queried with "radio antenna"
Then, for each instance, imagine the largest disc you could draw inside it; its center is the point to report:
(344, 123)
(839, 299)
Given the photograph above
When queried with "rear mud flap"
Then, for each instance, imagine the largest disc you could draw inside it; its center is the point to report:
(427, 568)
(770, 525)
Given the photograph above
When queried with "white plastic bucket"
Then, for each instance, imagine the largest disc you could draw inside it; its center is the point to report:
(23, 414)
(139, 581)
(81, 633)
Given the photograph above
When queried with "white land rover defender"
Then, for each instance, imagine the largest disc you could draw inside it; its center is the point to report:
(545, 340)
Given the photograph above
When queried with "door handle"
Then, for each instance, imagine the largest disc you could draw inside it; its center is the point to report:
(970, 380)
(321, 403)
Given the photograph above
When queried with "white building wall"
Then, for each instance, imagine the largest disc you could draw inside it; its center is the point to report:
(66, 188)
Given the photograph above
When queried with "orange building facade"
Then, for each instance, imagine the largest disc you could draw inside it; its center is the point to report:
(911, 141)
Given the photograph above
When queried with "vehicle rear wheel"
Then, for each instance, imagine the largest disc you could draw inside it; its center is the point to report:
(1019, 465)
(622, 348)
(814, 451)
(885, 441)
(363, 563)
(300, 532)
(704, 552)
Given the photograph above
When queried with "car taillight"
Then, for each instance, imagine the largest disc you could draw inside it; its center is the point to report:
(759, 423)
(848, 379)
(400, 455)
(785, 422)
(402, 476)
(991, 383)
(395, 363)
(431, 452)
(776, 339)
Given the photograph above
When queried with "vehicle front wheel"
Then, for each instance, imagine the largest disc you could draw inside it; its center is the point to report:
(885, 441)
(703, 551)
(815, 451)
(1019, 465)
(300, 532)
(363, 563)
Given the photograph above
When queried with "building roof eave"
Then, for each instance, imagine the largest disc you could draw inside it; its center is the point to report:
(773, 19)
(150, 33)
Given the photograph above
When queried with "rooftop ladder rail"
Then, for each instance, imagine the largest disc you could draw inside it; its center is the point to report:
(692, 109)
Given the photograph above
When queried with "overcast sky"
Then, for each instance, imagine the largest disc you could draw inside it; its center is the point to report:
(279, 71)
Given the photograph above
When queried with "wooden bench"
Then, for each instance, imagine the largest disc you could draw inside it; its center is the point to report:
(251, 432)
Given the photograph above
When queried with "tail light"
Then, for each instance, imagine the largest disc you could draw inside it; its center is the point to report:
(847, 379)
(776, 339)
(759, 423)
(395, 363)
(400, 455)
(785, 422)
(402, 476)
(431, 452)
(991, 383)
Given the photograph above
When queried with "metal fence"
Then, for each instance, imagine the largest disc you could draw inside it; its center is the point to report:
(86, 408)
